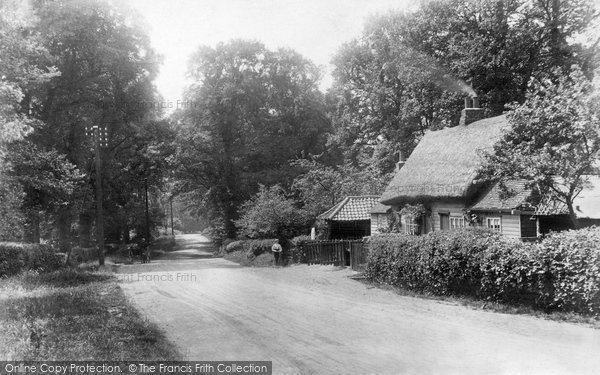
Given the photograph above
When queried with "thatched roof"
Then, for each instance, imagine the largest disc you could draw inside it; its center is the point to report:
(496, 199)
(445, 162)
(351, 209)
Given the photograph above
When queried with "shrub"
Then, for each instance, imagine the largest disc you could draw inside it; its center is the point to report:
(295, 252)
(83, 255)
(234, 246)
(258, 247)
(271, 214)
(560, 273)
(570, 262)
(250, 247)
(262, 260)
(17, 257)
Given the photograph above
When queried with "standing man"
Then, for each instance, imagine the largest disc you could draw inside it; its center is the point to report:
(276, 249)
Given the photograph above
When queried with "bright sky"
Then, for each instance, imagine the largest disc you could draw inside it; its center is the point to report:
(314, 28)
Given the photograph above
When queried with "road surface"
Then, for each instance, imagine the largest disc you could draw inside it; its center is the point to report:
(317, 320)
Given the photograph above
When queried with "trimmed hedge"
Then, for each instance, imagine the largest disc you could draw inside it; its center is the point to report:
(17, 257)
(562, 272)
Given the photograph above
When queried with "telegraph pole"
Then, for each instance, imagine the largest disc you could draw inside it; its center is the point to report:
(147, 213)
(172, 231)
(100, 137)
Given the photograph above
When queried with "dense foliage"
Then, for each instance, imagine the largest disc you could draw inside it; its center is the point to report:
(562, 272)
(251, 248)
(553, 141)
(408, 71)
(251, 111)
(68, 66)
(269, 214)
(16, 257)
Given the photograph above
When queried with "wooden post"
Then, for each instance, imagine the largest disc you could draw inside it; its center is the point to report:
(172, 230)
(147, 212)
(99, 200)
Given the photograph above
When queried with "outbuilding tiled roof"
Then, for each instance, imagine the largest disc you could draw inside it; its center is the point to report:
(586, 204)
(351, 209)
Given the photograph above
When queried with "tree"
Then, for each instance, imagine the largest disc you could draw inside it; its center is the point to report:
(48, 180)
(249, 111)
(106, 70)
(269, 214)
(19, 74)
(407, 72)
(319, 186)
(553, 141)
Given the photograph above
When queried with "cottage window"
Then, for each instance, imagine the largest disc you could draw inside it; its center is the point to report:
(493, 223)
(457, 222)
(411, 228)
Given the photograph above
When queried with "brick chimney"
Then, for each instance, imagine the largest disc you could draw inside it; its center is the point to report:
(471, 112)
(401, 161)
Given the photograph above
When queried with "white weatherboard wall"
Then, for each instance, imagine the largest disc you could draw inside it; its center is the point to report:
(510, 225)
(455, 209)
(378, 221)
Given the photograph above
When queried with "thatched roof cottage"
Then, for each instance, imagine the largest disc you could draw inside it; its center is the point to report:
(442, 175)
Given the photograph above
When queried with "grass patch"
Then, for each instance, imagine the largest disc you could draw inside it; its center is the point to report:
(240, 257)
(74, 315)
(497, 307)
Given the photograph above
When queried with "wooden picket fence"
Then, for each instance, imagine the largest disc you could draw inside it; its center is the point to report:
(336, 252)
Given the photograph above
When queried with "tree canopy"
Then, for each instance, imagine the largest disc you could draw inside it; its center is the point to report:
(553, 142)
(407, 72)
(251, 110)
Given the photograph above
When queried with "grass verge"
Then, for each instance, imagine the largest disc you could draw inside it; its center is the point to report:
(74, 315)
(503, 308)
(240, 257)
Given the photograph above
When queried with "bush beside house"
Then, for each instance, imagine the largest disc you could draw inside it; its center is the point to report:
(560, 273)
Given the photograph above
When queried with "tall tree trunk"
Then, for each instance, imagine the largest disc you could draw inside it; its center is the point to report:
(85, 229)
(64, 230)
(126, 237)
(573, 215)
(32, 229)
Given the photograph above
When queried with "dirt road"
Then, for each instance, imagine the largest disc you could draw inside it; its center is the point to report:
(316, 320)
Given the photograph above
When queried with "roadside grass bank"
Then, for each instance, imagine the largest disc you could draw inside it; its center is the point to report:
(242, 258)
(489, 306)
(74, 314)
(249, 253)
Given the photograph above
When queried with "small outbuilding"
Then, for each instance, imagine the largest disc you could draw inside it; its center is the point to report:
(350, 218)
(380, 218)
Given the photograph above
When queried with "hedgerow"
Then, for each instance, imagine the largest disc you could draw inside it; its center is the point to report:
(252, 248)
(562, 272)
(17, 257)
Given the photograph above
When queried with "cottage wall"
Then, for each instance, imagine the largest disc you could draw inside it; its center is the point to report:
(437, 208)
(510, 225)
(378, 221)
